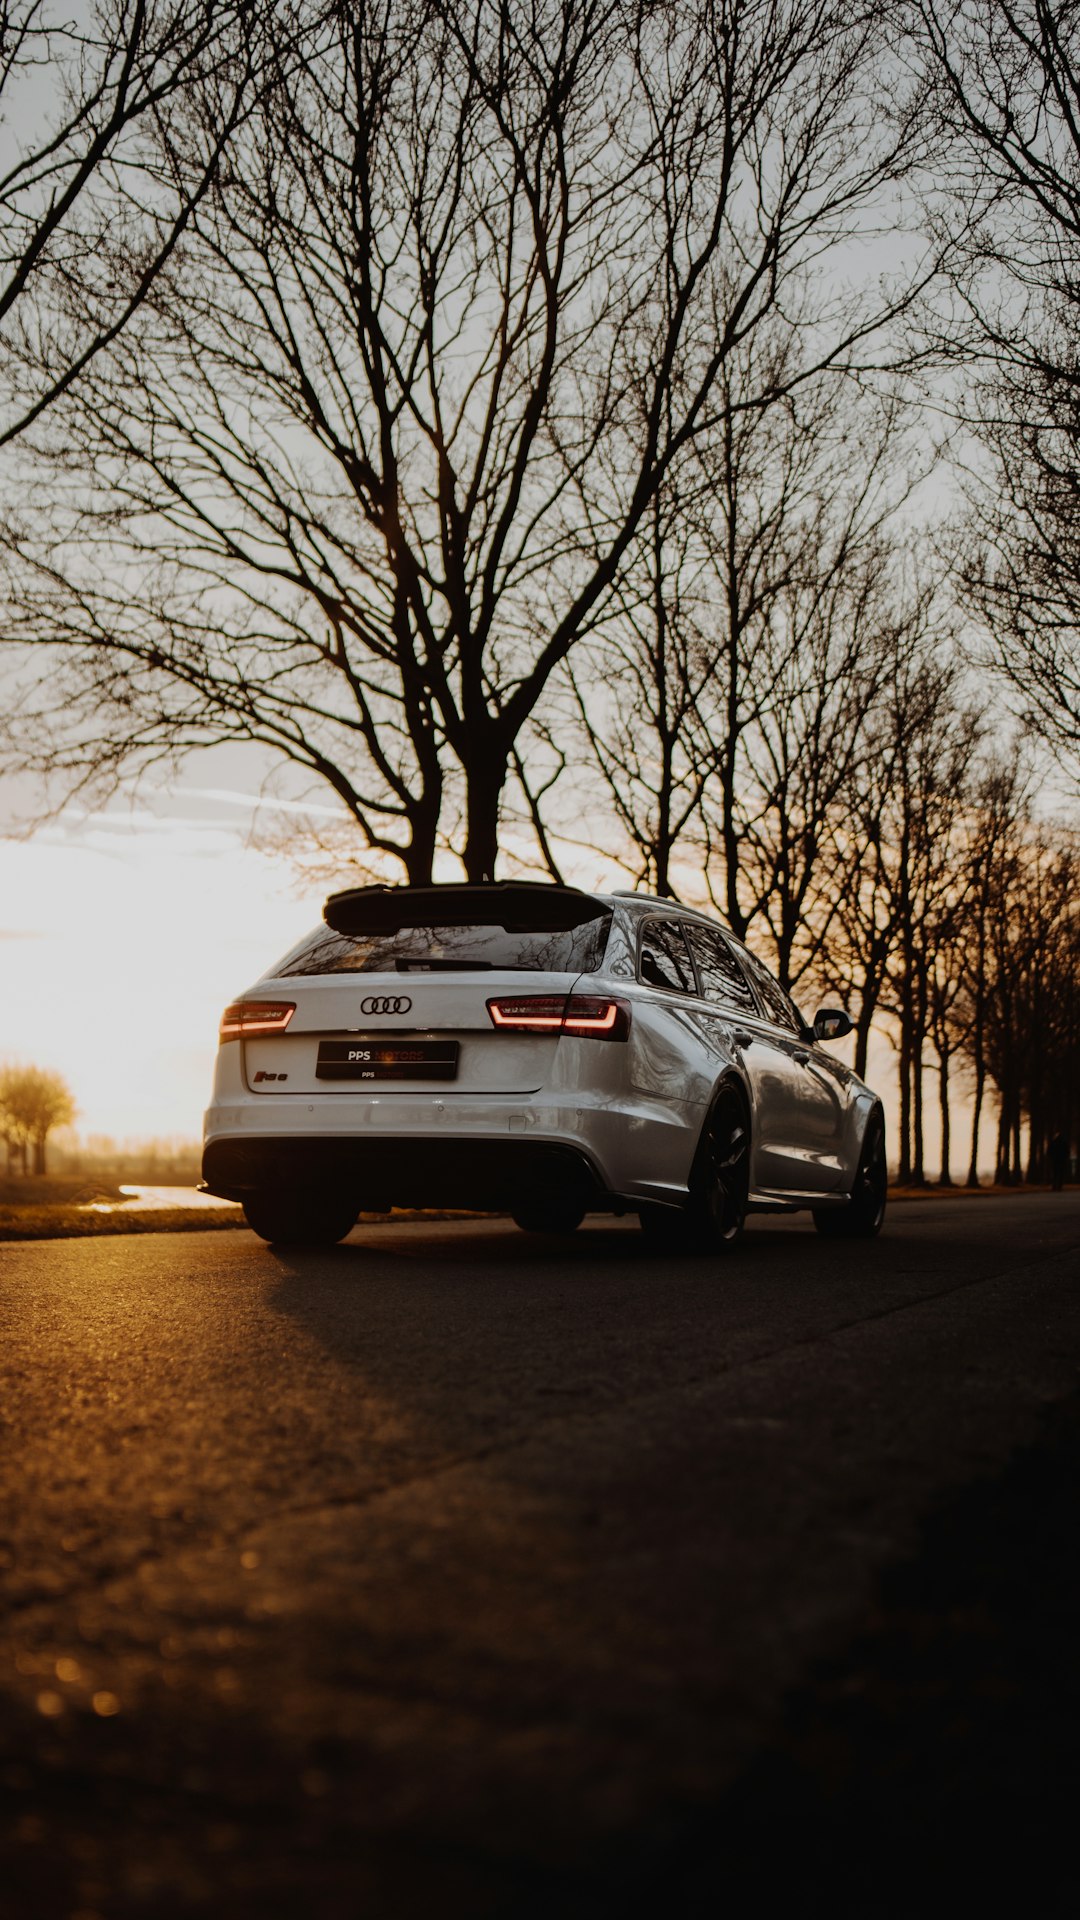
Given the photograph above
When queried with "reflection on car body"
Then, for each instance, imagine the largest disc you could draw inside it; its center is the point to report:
(553, 1052)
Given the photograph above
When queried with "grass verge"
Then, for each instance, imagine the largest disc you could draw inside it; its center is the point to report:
(76, 1223)
(990, 1192)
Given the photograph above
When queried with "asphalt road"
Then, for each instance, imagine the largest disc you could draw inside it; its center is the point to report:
(464, 1572)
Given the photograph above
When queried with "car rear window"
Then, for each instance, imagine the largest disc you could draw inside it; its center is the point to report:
(453, 949)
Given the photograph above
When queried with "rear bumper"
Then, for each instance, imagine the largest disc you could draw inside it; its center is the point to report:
(486, 1152)
(496, 1175)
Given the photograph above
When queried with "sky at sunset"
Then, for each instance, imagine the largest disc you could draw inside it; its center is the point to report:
(122, 937)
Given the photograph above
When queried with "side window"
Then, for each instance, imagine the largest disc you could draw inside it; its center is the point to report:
(778, 1007)
(720, 974)
(664, 960)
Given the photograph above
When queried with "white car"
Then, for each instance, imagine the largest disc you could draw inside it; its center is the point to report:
(534, 1049)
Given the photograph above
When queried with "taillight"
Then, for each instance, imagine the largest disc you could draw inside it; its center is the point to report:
(245, 1018)
(530, 1014)
(599, 1019)
(588, 1016)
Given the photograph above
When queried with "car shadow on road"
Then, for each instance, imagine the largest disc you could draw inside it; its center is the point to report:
(484, 1296)
(446, 1317)
(424, 1310)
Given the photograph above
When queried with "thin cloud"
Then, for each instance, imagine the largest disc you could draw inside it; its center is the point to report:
(264, 802)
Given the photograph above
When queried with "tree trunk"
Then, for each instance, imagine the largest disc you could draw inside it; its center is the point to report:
(39, 1154)
(946, 1129)
(1036, 1156)
(862, 1038)
(980, 1088)
(420, 858)
(485, 786)
(662, 853)
(918, 1171)
(904, 1169)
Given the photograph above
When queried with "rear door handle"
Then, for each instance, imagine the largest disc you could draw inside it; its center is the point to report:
(800, 1054)
(742, 1038)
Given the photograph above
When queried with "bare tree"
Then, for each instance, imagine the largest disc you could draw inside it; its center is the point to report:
(1020, 569)
(828, 620)
(376, 455)
(998, 810)
(1034, 1002)
(1005, 86)
(89, 204)
(725, 703)
(640, 704)
(895, 862)
(33, 1101)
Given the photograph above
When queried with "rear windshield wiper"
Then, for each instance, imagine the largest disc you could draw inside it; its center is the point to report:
(442, 966)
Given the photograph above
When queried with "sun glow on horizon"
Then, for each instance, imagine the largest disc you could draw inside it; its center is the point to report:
(122, 937)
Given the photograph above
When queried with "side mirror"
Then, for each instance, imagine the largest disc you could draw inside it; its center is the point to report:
(832, 1024)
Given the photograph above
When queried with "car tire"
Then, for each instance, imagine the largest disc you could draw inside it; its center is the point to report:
(715, 1217)
(560, 1217)
(307, 1220)
(862, 1218)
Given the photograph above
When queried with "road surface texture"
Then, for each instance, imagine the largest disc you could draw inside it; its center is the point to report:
(455, 1571)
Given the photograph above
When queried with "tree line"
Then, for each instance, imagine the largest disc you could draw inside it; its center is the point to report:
(530, 424)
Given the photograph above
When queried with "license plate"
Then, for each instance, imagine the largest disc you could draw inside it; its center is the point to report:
(362, 1059)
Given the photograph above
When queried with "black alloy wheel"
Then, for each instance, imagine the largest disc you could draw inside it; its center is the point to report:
(301, 1220)
(555, 1216)
(713, 1221)
(862, 1218)
(720, 1188)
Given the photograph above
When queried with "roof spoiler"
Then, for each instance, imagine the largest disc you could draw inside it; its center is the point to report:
(519, 906)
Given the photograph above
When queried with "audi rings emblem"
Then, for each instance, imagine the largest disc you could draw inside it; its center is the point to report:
(386, 1003)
